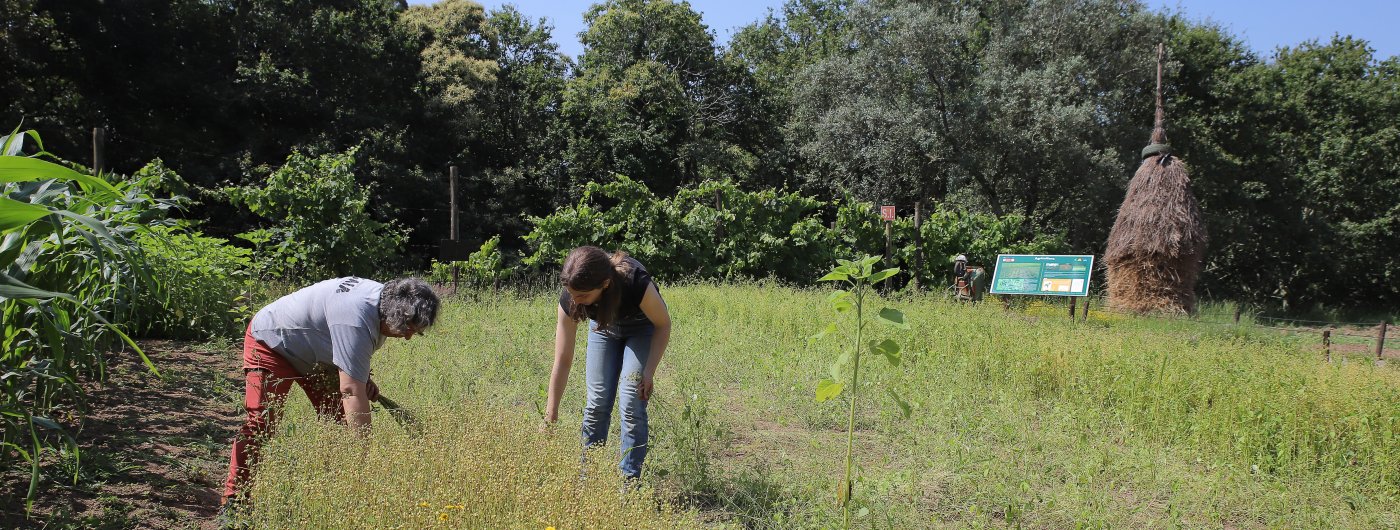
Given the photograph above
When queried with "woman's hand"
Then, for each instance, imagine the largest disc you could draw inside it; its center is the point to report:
(645, 386)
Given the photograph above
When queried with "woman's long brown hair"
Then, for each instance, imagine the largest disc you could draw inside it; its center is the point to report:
(588, 268)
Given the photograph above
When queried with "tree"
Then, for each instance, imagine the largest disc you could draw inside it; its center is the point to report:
(522, 139)
(651, 99)
(38, 60)
(457, 62)
(319, 224)
(773, 51)
(1007, 106)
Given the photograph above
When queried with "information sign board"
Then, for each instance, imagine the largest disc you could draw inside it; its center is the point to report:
(1042, 275)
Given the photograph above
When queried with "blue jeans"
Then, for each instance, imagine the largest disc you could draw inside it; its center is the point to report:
(615, 360)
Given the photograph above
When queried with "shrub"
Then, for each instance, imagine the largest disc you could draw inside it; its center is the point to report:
(716, 230)
(320, 227)
(481, 268)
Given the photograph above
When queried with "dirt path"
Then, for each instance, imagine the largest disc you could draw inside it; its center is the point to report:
(154, 451)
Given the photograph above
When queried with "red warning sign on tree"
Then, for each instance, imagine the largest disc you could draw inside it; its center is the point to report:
(887, 213)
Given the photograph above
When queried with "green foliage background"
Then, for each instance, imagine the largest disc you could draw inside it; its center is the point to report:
(1032, 112)
(319, 224)
(90, 260)
(717, 230)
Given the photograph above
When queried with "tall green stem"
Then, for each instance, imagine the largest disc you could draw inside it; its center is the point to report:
(851, 420)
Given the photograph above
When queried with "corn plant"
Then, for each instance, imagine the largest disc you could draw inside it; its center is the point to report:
(71, 273)
(860, 278)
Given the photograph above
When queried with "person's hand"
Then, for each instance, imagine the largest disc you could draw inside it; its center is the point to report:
(645, 386)
(372, 390)
(547, 426)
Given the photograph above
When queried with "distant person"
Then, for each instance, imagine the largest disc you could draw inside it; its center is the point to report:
(628, 330)
(321, 338)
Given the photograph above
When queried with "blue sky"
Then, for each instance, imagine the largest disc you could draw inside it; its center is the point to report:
(1263, 26)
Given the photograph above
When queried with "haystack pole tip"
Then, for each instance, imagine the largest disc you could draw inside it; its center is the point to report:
(1158, 141)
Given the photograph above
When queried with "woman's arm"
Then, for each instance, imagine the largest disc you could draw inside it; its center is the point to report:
(355, 399)
(565, 332)
(655, 309)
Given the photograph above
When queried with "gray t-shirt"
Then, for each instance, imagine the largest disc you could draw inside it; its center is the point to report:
(332, 324)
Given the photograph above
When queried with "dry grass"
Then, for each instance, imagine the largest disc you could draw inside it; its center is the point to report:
(1019, 420)
(474, 466)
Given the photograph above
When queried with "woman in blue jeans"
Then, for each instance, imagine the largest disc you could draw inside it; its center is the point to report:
(628, 329)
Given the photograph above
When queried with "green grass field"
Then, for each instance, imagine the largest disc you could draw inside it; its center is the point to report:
(1021, 419)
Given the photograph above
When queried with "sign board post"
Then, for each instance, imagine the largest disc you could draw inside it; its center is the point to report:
(887, 214)
(918, 244)
(1042, 275)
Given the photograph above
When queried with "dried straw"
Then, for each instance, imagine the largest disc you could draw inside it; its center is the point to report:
(1158, 241)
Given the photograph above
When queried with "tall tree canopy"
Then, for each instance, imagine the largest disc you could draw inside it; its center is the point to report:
(1016, 108)
(652, 98)
(1022, 110)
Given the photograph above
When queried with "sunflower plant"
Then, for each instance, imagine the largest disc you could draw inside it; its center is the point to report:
(859, 278)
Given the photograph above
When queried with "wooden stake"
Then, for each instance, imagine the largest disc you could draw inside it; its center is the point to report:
(1327, 344)
(452, 203)
(1380, 341)
(99, 146)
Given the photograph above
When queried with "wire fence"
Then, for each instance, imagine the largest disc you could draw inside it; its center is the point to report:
(1372, 338)
(1375, 339)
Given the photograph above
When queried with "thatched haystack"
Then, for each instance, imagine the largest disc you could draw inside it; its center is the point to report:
(1159, 240)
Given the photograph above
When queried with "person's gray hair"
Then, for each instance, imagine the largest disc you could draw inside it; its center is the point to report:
(408, 302)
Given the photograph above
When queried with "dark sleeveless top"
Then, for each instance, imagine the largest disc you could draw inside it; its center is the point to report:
(629, 310)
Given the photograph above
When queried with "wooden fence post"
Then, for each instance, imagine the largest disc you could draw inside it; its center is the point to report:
(452, 222)
(918, 242)
(99, 147)
(719, 219)
(1238, 308)
(889, 243)
(1327, 343)
(1085, 318)
(452, 202)
(1380, 341)
(1072, 303)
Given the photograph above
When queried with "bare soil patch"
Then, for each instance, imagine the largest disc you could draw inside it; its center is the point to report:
(154, 451)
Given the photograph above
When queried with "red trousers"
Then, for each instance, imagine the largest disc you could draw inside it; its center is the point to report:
(269, 378)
